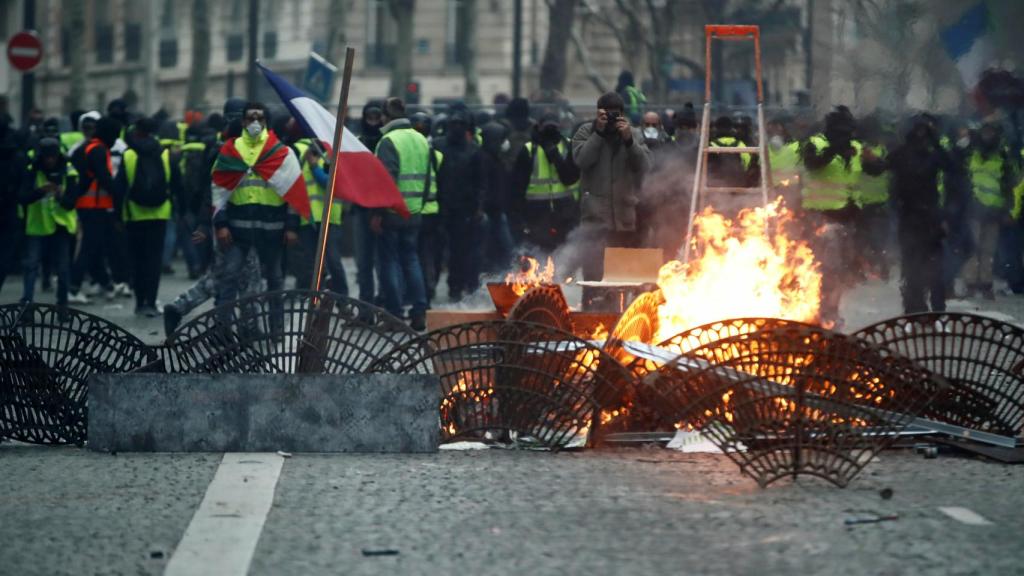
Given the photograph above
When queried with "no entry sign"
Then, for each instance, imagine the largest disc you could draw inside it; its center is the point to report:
(24, 51)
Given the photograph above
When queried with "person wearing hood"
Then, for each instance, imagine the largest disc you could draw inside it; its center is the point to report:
(408, 158)
(632, 96)
(49, 189)
(118, 110)
(144, 189)
(495, 190)
(545, 185)
(991, 174)
(828, 200)
(95, 208)
(613, 160)
(87, 125)
(461, 205)
(367, 243)
(915, 169)
(520, 131)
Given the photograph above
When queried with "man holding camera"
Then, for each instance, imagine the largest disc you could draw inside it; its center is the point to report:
(612, 159)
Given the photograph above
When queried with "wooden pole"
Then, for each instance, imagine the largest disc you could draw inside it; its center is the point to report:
(339, 129)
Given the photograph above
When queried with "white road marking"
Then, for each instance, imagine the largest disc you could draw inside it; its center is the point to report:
(224, 531)
(965, 515)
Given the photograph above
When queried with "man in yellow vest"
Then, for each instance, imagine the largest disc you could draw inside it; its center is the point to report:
(144, 189)
(547, 187)
(828, 199)
(48, 193)
(991, 175)
(315, 173)
(784, 161)
(406, 155)
(872, 197)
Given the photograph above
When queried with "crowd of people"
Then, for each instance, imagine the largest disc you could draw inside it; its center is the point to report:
(114, 198)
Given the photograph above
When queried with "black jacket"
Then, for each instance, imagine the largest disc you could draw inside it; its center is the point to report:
(458, 189)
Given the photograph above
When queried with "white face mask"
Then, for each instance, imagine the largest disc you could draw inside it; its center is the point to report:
(254, 129)
(651, 133)
(506, 146)
(963, 142)
(776, 142)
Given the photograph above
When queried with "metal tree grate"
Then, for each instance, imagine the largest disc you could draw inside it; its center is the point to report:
(507, 376)
(981, 358)
(543, 304)
(46, 358)
(292, 331)
(795, 400)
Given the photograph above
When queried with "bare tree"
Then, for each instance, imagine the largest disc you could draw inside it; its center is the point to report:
(76, 39)
(561, 14)
(401, 70)
(468, 51)
(197, 81)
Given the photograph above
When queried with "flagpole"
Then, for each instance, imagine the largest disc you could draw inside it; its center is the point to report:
(339, 129)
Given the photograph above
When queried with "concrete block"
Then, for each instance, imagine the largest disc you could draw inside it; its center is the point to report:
(264, 413)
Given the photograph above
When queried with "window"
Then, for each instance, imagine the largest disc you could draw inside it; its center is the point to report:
(103, 32)
(380, 34)
(269, 50)
(168, 38)
(268, 23)
(233, 37)
(455, 33)
(132, 41)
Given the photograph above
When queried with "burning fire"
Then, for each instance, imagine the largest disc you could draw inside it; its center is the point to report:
(747, 268)
(530, 275)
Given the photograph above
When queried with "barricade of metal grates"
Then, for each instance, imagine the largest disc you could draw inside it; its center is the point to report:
(794, 400)
(47, 355)
(505, 377)
(291, 331)
(981, 358)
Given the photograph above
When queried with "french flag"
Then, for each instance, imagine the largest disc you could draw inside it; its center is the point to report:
(968, 44)
(360, 177)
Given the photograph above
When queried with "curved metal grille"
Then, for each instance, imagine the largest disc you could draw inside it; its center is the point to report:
(543, 304)
(47, 355)
(506, 376)
(794, 400)
(290, 331)
(981, 358)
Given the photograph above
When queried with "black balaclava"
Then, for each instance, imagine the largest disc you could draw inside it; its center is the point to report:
(518, 113)
(107, 130)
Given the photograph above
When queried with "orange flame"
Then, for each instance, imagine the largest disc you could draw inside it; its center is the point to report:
(746, 268)
(530, 275)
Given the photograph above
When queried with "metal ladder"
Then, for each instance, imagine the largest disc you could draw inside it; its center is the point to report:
(700, 178)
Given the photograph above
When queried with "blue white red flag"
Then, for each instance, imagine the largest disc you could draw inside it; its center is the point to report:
(968, 44)
(360, 177)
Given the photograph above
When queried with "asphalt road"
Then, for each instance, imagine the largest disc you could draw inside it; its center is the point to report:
(623, 511)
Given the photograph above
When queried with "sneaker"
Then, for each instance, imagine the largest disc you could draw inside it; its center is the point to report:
(172, 318)
(122, 289)
(78, 298)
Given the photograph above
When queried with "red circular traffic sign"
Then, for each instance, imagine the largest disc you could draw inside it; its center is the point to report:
(24, 51)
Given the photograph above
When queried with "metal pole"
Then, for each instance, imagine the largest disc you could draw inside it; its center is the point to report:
(28, 79)
(254, 33)
(517, 47)
(339, 129)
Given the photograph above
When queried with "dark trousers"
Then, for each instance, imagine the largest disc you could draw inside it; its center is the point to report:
(308, 238)
(97, 247)
(145, 245)
(368, 262)
(269, 247)
(179, 237)
(431, 251)
(466, 237)
(921, 255)
(11, 228)
(499, 243)
(871, 236)
(401, 261)
(58, 247)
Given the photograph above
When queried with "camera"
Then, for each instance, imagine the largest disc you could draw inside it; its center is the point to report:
(613, 118)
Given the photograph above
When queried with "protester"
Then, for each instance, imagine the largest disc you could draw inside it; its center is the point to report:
(461, 206)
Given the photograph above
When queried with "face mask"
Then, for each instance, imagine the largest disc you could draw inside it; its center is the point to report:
(776, 142)
(506, 146)
(963, 142)
(254, 129)
(651, 133)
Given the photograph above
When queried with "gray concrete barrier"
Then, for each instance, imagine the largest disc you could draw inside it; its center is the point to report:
(263, 413)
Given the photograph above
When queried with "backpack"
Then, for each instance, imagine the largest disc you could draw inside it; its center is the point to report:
(149, 188)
